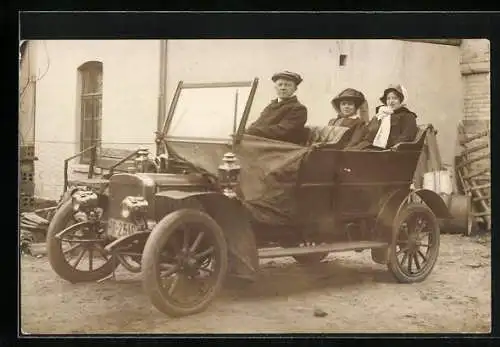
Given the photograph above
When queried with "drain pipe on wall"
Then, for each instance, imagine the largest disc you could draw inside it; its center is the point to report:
(162, 96)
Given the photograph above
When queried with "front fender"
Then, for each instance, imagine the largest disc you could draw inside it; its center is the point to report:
(231, 216)
(173, 200)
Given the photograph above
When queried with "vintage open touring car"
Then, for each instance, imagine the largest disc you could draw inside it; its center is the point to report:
(213, 201)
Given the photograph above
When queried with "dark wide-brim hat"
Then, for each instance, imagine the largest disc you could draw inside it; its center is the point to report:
(349, 94)
(393, 88)
(287, 75)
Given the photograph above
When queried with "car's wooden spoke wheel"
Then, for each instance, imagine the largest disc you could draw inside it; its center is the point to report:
(75, 247)
(184, 262)
(415, 245)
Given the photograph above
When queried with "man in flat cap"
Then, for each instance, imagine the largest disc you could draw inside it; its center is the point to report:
(284, 118)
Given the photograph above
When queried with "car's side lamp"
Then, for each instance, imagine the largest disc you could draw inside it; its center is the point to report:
(229, 175)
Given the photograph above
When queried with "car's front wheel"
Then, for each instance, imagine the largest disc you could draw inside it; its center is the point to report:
(184, 262)
(75, 247)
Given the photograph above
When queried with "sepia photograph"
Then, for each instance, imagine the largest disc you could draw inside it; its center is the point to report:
(187, 186)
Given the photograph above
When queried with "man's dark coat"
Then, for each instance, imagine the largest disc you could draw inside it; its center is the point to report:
(282, 121)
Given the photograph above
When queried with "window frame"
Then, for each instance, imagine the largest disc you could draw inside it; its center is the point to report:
(90, 74)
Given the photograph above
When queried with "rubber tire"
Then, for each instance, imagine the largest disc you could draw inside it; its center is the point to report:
(393, 265)
(56, 257)
(162, 231)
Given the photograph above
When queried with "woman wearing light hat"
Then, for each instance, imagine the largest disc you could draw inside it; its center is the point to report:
(347, 104)
(392, 124)
(284, 118)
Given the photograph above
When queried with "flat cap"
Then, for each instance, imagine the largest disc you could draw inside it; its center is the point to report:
(287, 75)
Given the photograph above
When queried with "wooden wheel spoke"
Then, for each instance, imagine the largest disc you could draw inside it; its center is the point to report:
(401, 250)
(173, 285)
(101, 251)
(170, 269)
(196, 242)
(422, 255)
(415, 258)
(206, 252)
(204, 269)
(405, 256)
(410, 263)
(185, 239)
(79, 258)
(422, 235)
(91, 259)
(72, 248)
(202, 284)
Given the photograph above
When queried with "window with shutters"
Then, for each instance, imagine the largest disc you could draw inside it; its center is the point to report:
(90, 106)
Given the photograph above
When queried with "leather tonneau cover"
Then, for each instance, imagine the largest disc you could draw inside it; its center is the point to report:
(269, 173)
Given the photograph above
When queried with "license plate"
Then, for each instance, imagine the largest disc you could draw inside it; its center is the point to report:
(118, 228)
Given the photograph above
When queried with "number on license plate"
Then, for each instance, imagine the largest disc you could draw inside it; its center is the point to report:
(118, 228)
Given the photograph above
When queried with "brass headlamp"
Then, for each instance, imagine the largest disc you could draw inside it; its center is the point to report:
(229, 175)
(84, 200)
(141, 161)
(133, 205)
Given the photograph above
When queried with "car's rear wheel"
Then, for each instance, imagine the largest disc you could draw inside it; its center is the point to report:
(184, 262)
(415, 245)
(75, 248)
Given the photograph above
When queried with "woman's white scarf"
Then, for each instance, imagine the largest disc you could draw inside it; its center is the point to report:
(384, 115)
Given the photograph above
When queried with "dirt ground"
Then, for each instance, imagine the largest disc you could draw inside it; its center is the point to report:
(358, 296)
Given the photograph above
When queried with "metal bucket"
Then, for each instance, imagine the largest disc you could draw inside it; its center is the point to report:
(462, 221)
(438, 181)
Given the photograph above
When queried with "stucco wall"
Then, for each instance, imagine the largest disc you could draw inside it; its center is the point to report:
(131, 72)
(430, 72)
(130, 100)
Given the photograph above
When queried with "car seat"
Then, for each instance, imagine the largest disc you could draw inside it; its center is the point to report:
(326, 134)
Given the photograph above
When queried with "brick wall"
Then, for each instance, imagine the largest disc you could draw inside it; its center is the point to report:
(475, 67)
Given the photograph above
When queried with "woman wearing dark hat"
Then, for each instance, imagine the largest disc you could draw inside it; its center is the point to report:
(284, 118)
(392, 124)
(347, 104)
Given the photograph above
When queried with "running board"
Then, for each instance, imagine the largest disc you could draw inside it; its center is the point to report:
(333, 247)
